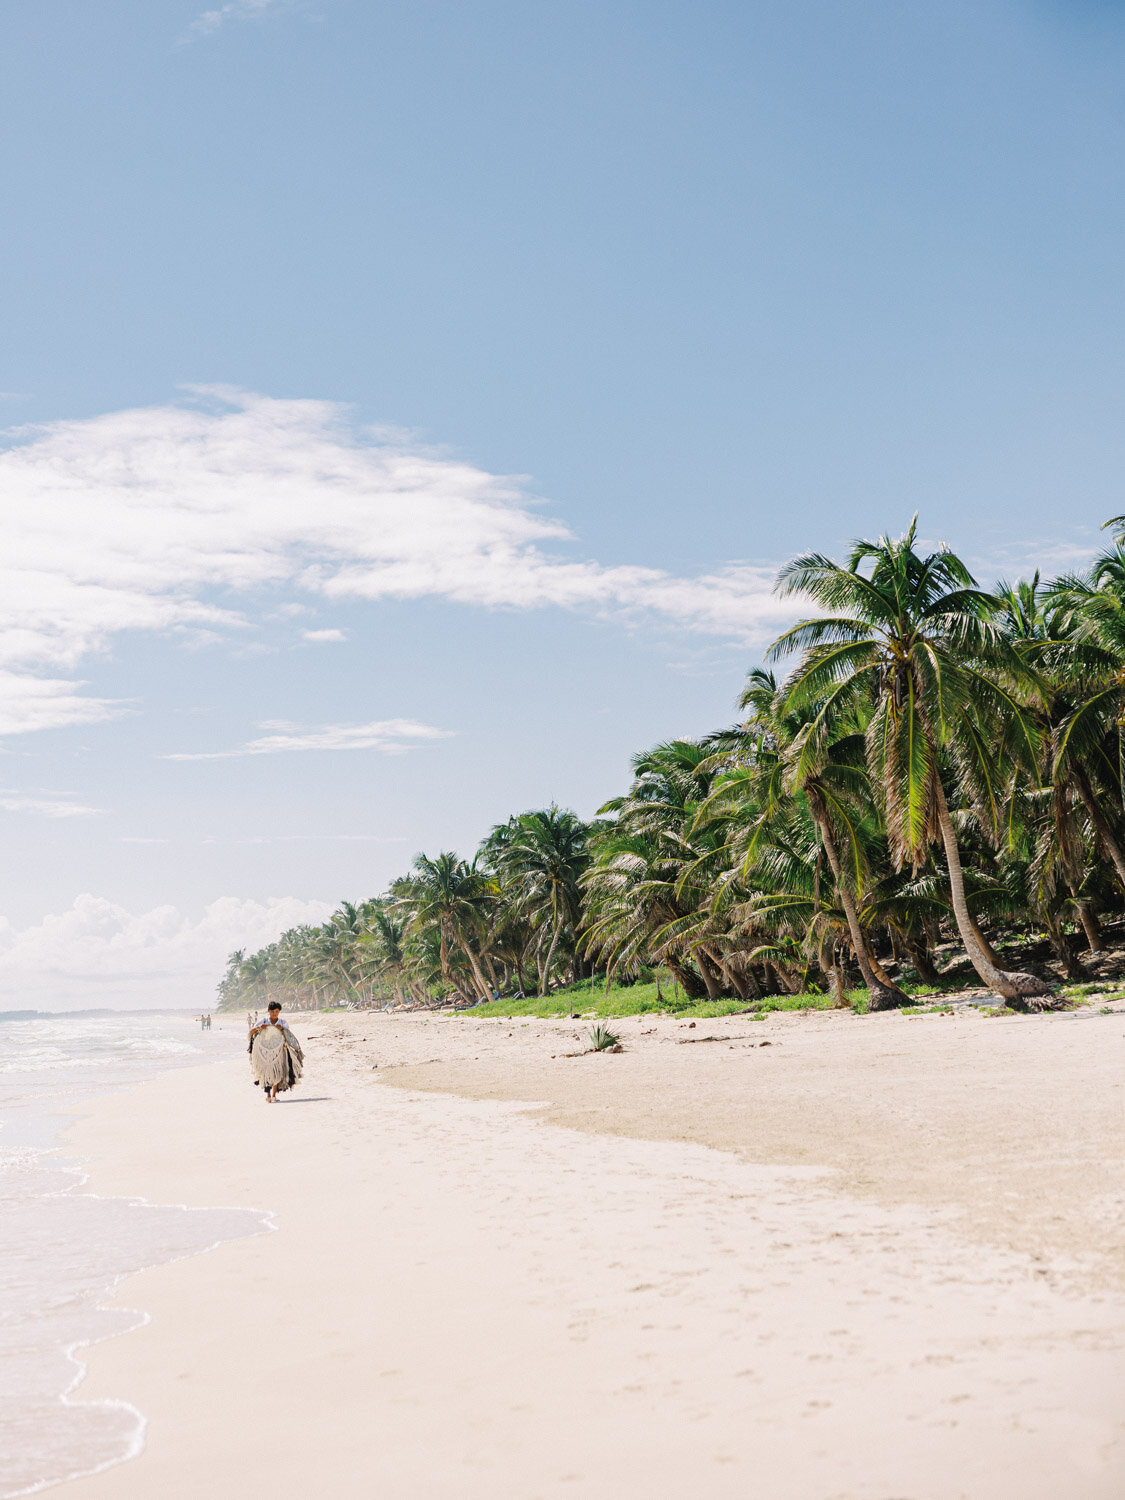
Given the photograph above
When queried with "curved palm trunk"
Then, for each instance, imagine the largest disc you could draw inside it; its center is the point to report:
(1073, 966)
(771, 984)
(1101, 824)
(1089, 925)
(1022, 991)
(542, 990)
(685, 978)
(483, 991)
(882, 994)
(493, 987)
(545, 980)
(918, 951)
(983, 944)
(707, 970)
(741, 981)
(831, 971)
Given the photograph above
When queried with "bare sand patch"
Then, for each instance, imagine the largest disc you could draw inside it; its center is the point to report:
(467, 1296)
(1011, 1127)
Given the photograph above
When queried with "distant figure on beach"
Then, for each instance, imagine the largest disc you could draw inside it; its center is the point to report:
(276, 1059)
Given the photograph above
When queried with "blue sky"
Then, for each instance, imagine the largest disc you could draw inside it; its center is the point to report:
(512, 346)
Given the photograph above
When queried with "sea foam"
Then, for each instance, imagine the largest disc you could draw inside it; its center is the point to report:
(62, 1248)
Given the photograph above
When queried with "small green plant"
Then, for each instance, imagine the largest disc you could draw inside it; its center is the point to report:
(602, 1039)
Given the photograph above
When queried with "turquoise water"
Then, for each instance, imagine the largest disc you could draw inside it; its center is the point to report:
(63, 1248)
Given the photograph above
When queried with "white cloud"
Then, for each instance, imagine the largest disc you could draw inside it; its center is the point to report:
(390, 735)
(28, 703)
(16, 802)
(98, 953)
(340, 838)
(1051, 555)
(238, 10)
(323, 635)
(180, 519)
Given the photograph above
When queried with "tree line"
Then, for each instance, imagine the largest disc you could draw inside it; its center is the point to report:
(922, 759)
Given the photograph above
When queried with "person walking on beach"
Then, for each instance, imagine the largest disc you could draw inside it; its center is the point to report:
(276, 1059)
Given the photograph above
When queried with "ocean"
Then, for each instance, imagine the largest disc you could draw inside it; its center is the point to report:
(63, 1248)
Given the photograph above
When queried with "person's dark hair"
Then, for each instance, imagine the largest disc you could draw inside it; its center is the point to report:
(274, 1005)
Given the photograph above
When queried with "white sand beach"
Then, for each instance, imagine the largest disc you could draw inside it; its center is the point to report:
(879, 1259)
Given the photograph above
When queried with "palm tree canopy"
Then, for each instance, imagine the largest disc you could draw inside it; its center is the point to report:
(911, 648)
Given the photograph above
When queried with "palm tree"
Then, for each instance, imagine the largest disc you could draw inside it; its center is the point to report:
(454, 899)
(826, 769)
(924, 716)
(541, 858)
(1088, 655)
(910, 642)
(383, 946)
(254, 974)
(651, 893)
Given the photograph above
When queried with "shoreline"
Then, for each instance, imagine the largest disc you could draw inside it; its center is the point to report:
(486, 1295)
(67, 1249)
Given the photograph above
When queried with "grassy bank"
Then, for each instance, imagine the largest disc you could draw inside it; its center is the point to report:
(642, 999)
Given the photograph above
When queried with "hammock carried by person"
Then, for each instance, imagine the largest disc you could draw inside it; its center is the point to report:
(276, 1058)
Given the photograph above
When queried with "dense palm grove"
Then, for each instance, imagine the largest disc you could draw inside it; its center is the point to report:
(931, 761)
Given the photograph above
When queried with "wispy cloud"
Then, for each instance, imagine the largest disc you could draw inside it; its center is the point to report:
(392, 736)
(142, 520)
(341, 838)
(134, 521)
(237, 10)
(1051, 555)
(16, 802)
(28, 703)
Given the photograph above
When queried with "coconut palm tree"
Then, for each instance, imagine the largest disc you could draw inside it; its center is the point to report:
(254, 973)
(383, 947)
(455, 899)
(910, 644)
(1087, 655)
(541, 858)
(783, 759)
(651, 893)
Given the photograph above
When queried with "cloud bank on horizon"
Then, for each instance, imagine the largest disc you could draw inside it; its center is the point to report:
(99, 954)
(182, 519)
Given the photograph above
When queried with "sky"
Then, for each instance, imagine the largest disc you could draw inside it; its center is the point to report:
(407, 405)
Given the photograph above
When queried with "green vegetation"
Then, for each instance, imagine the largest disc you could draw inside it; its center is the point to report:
(602, 1039)
(936, 780)
(642, 999)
